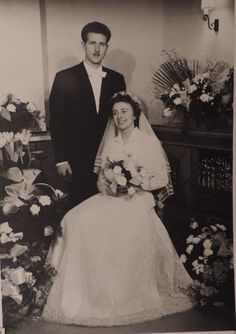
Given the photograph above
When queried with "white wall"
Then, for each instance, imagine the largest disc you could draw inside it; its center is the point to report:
(20, 50)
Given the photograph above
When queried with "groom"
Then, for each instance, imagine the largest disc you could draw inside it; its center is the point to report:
(79, 112)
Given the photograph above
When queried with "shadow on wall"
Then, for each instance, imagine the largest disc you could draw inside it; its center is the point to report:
(121, 61)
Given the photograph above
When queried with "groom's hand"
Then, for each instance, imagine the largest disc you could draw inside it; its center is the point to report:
(64, 169)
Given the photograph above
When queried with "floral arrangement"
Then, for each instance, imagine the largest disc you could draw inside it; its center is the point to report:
(122, 177)
(17, 120)
(209, 256)
(29, 223)
(25, 278)
(191, 89)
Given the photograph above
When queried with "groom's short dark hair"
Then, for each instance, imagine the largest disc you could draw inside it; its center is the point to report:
(96, 27)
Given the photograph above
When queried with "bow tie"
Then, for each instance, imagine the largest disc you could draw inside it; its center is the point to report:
(100, 74)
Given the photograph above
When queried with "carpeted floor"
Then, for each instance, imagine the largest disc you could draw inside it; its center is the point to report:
(189, 321)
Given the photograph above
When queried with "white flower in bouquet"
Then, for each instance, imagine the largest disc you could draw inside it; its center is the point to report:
(117, 170)
(5, 228)
(196, 240)
(4, 238)
(59, 193)
(3, 140)
(176, 87)
(11, 290)
(23, 137)
(9, 136)
(11, 107)
(189, 249)
(207, 252)
(207, 243)
(194, 225)
(3, 98)
(183, 258)
(109, 174)
(35, 209)
(31, 107)
(18, 250)
(177, 101)
(221, 227)
(35, 258)
(204, 97)
(167, 112)
(213, 227)
(131, 191)
(45, 200)
(192, 88)
(121, 180)
(48, 230)
(145, 183)
(198, 267)
(190, 239)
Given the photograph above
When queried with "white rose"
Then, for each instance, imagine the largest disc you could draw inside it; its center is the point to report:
(11, 107)
(48, 230)
(45, 200)
(35, 209)
(131, 191)
(183, 258)
(117, 170)
(23, 136)
(177, 101)
(5, 228)
(204, 98)
(121, 180)
(207, 252)
(189, 249)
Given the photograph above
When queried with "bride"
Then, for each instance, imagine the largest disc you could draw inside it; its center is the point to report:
(115, 262)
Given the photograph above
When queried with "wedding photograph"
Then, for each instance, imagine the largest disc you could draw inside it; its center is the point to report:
(116, 166)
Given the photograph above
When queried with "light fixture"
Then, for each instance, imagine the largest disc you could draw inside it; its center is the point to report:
(206, 6)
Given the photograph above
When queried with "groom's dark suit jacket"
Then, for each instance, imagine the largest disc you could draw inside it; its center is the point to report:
(76, 127)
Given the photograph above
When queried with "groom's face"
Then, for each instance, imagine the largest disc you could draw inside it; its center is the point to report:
(95, 48)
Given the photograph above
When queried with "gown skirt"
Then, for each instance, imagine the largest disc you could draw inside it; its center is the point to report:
(116, 265)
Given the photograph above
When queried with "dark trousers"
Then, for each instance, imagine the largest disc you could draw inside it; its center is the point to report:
(81, 187)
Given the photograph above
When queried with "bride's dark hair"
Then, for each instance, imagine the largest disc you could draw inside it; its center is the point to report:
(128, 98)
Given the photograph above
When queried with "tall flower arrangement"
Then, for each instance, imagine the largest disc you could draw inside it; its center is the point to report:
(29, 223)
(191, 89)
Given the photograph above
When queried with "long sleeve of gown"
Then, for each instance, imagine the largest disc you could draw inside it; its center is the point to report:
(155, 165)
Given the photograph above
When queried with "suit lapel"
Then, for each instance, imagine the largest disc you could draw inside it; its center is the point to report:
(104, 91)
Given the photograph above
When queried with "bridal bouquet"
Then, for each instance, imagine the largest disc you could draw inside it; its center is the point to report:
(122, 177)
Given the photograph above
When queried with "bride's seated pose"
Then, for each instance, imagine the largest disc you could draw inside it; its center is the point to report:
(115, 261)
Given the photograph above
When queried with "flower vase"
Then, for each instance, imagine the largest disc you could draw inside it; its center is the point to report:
(202, 115)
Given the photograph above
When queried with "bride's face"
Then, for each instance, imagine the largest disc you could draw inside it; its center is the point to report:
(123, 115)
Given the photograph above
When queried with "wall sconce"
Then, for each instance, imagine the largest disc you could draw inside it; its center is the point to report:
(206, 6)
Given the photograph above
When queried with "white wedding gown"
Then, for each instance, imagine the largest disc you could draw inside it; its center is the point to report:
(116, 263)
